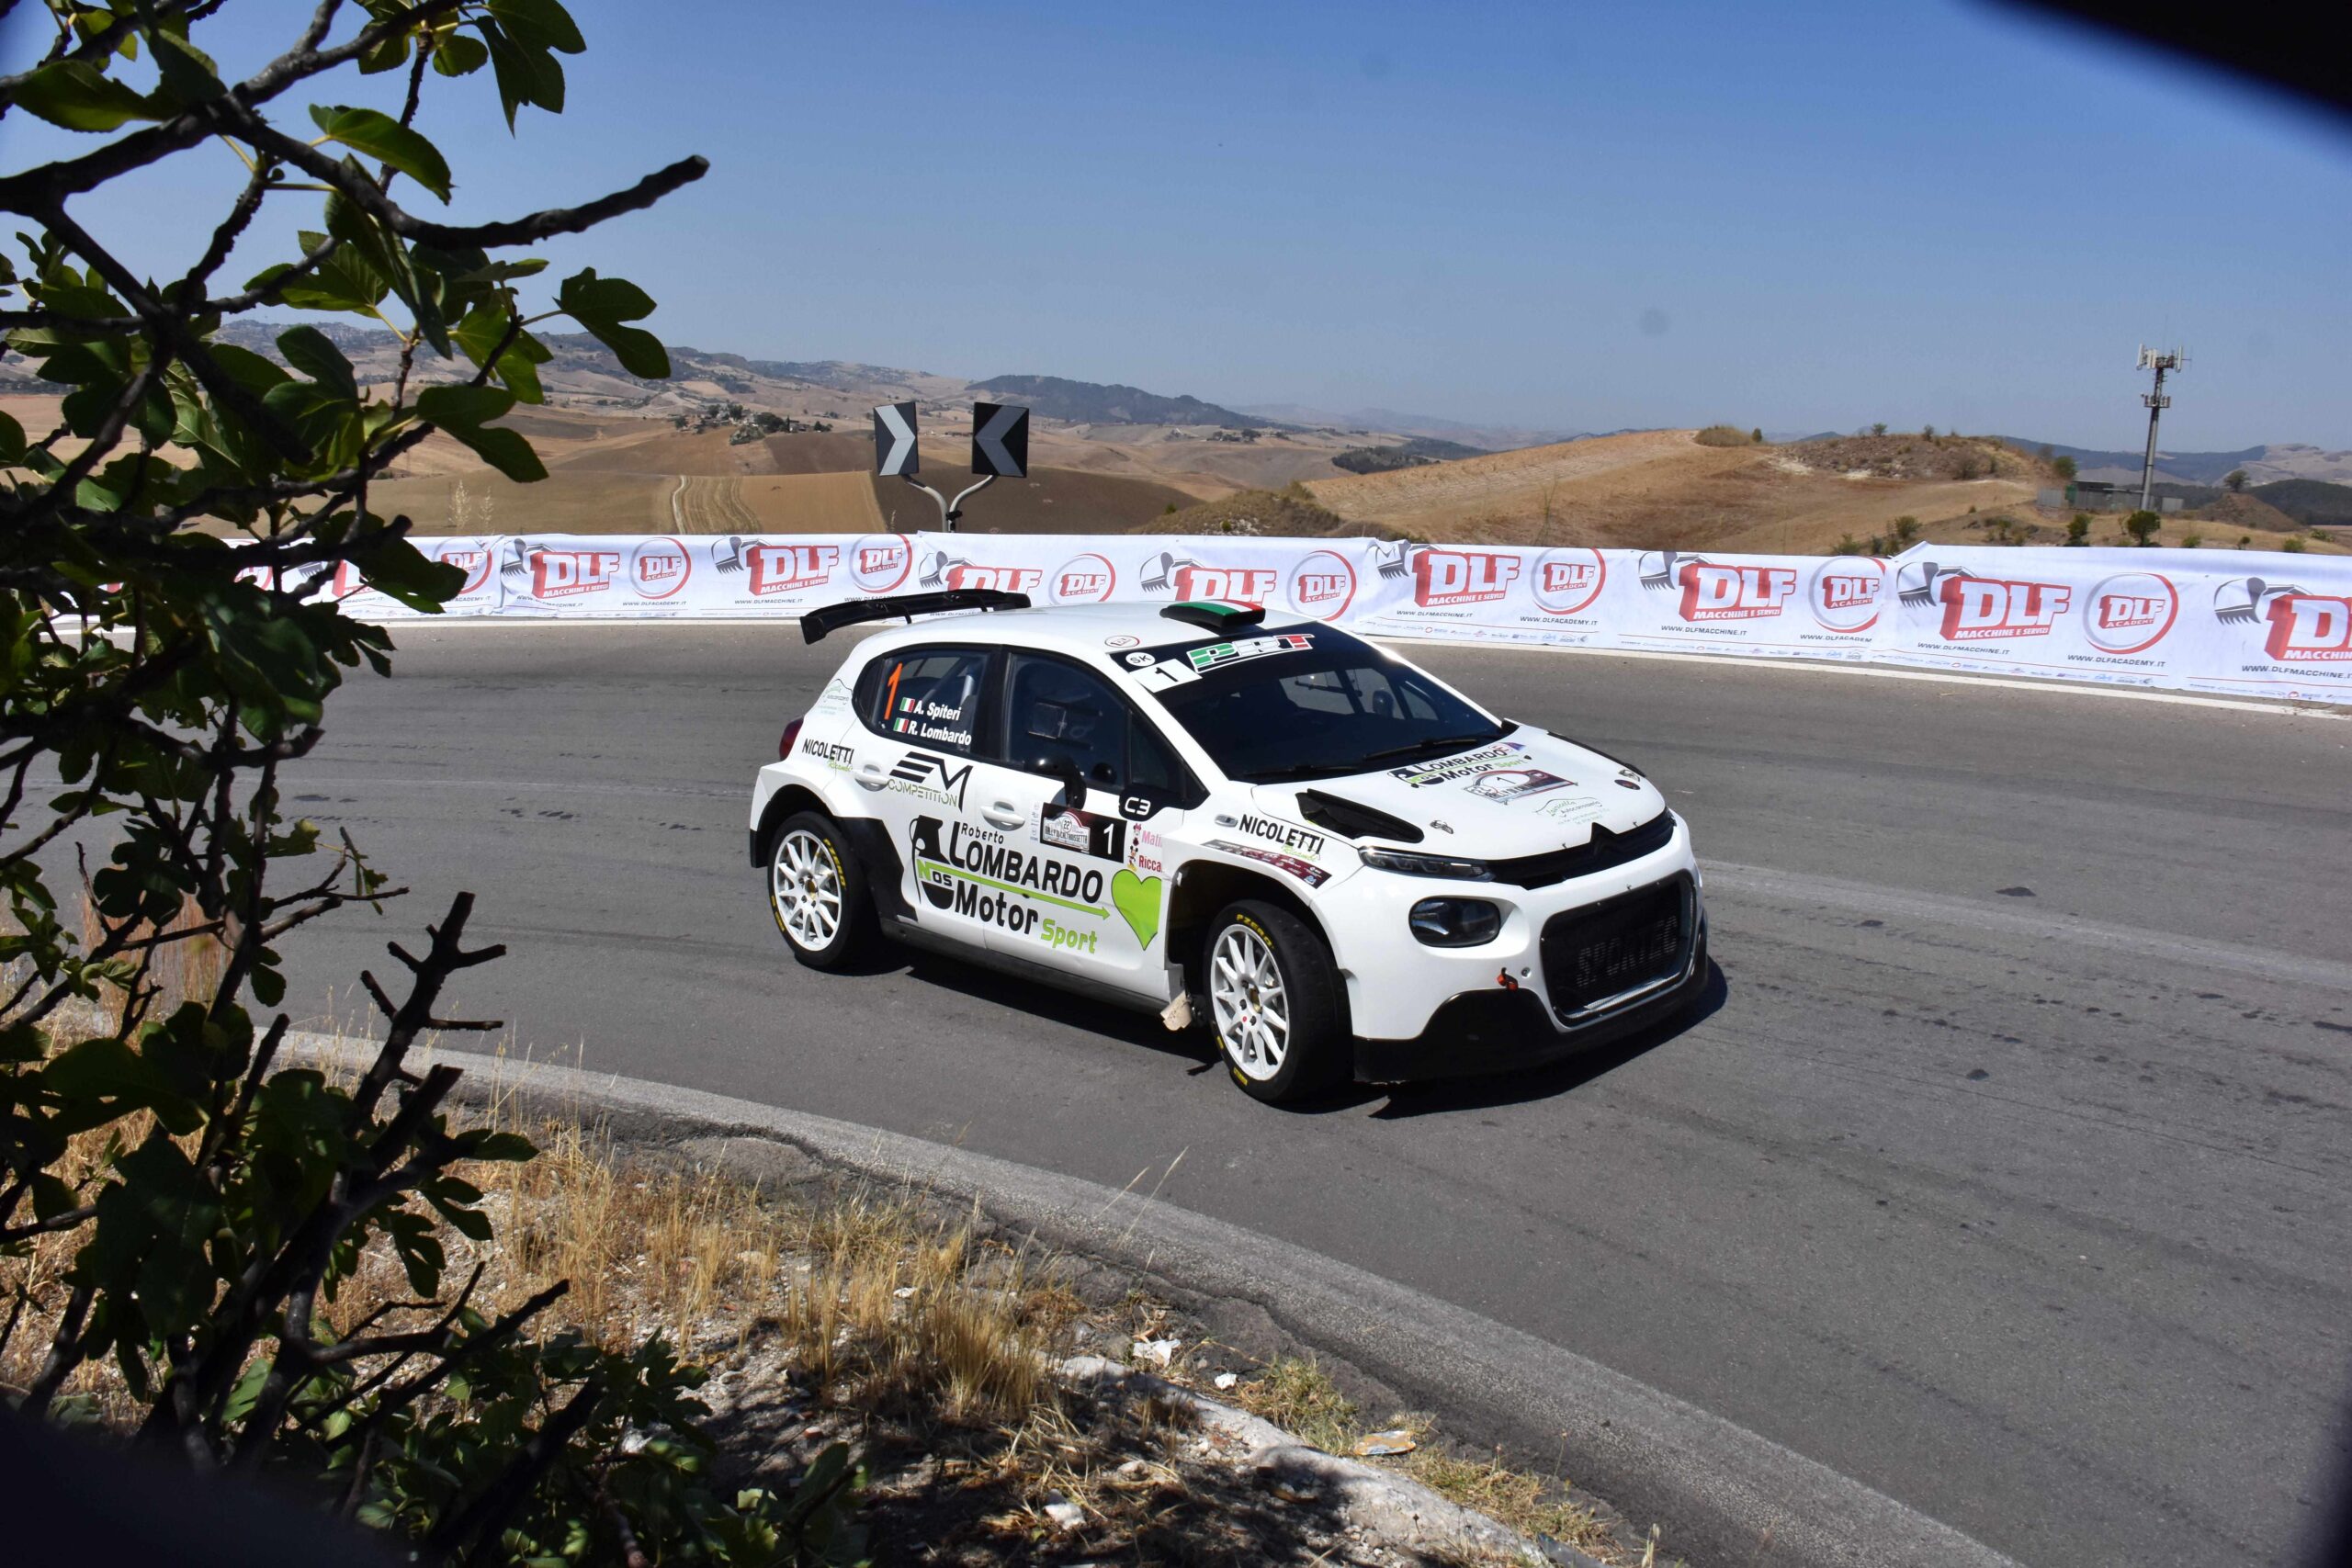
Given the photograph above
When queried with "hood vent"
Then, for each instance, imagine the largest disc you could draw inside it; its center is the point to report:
(1351, 820)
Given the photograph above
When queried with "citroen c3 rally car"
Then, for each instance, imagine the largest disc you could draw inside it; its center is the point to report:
(1337, 860)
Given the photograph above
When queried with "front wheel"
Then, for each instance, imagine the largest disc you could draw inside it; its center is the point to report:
(1274, 1002)
(817, 893)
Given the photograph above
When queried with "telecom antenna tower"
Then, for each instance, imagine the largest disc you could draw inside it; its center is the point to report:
(2160, 361)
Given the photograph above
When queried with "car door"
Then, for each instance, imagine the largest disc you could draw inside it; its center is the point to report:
(930, 706)
(1083, 789)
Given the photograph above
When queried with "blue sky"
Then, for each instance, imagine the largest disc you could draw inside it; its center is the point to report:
(1802, 216)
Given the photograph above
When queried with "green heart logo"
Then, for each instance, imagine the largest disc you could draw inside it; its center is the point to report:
(1138, 898)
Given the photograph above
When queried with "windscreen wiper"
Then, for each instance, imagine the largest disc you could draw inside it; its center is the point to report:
(1442, 743)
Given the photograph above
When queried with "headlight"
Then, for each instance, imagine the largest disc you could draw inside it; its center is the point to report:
(1428, 865)
(1455, 922)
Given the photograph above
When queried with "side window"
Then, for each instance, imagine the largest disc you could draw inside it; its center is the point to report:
(927, 696)
(1055, 712)
(1152, 766)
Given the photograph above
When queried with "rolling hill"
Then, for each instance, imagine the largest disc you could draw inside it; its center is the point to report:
(2262, 465)
(1095, 402)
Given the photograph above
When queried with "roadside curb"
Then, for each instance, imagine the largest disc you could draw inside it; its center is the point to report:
(1724, 1494)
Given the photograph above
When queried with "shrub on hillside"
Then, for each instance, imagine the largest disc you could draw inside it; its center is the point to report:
(1723, 435)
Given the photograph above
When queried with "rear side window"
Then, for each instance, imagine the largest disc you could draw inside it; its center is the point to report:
(927, 696)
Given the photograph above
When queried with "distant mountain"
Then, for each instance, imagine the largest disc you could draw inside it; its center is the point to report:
(2262, 465)
(2313, 503)
(1390, 422)
(1094, 402)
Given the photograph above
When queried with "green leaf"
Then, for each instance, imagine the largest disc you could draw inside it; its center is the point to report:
(527, 73)
(12, 442)
(542, 22)
(466, 412)
(458, 56)
(246, 367)
(379, 135)
(314, 354)
(73, 94)
(187, 73)
(601, 305)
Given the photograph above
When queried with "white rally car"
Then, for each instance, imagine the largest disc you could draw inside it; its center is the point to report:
(1340, 861)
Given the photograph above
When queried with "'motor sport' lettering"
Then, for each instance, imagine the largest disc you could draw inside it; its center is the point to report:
(1421, 775)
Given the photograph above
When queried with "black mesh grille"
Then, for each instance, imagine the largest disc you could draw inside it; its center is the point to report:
(1615, 945)
(1605, 851)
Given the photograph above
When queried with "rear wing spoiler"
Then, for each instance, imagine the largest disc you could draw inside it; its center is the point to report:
(816, 624)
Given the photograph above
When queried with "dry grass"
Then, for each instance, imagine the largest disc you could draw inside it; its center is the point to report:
(1297, 1394)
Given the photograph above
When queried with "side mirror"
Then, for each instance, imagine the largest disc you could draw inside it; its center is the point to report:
(1064, 771)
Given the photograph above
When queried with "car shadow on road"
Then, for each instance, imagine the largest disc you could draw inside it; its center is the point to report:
(1407, 1101)
(1194, 1045)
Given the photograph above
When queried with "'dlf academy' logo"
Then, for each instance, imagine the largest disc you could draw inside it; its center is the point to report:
(1322, 585)
(1844, 593)
(1566, 581)
(879, 562)
(2129, 613)
(1082, 579)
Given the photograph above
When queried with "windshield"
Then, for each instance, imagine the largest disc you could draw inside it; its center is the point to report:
(1338, 706)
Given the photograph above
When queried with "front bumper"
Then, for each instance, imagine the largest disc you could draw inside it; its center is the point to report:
(1495, 1031)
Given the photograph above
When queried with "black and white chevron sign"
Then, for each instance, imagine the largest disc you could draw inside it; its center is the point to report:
(894, 440)
(1000, 440)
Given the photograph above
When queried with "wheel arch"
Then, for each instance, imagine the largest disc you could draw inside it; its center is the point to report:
(1202, 889)
(787, 800)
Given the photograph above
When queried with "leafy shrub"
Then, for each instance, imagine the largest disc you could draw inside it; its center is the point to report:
(2142, 526)
(168, 678)
(1723, 435)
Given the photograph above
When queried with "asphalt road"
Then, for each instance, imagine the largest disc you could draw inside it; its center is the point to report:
(2011, 1174)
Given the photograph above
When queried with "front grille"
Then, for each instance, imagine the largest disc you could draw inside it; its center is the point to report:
(1617, 945)
(1606, 850)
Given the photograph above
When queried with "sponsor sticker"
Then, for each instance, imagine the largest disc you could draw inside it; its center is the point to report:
(922, 719)
(977, 876)
(832, 753)
(1083, 832)
(1300, 840)
(1423, 775)
(927, 777)
(1219, 654)
(1306, 870)
(1506, 785)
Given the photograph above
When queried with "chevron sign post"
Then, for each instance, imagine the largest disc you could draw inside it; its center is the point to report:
(895, 450)
(1000, 440)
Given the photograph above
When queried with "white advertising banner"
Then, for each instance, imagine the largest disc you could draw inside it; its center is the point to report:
(2270, 625)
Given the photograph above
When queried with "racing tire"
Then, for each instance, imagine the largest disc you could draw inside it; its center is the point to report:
(817, 893)
(1275, 1003)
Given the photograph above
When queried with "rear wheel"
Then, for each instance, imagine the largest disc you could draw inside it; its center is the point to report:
(817, 892)
(1274, 1002)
